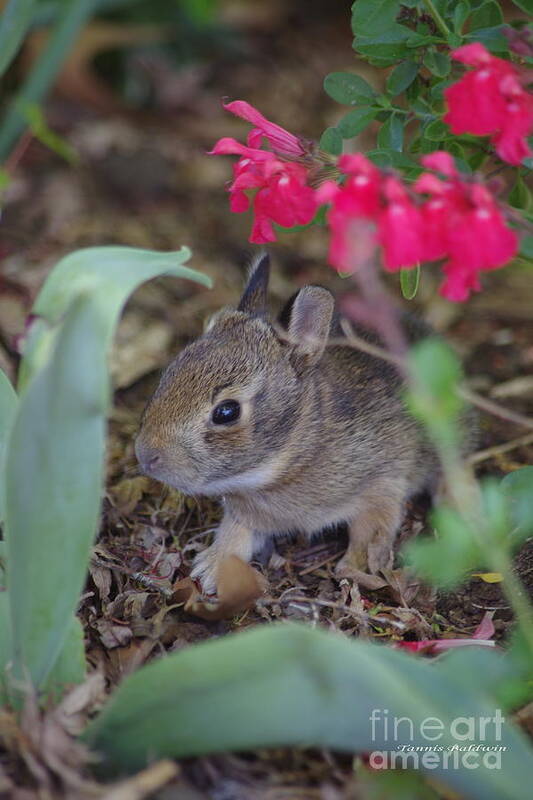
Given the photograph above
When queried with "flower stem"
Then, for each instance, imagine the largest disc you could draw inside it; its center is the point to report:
(439, 22)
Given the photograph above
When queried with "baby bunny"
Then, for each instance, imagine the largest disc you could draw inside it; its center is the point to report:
(292, 433)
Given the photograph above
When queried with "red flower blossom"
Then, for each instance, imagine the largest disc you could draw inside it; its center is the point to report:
(281, 141)
(282, 194)
(462, 221)
(381, 200)
(490, 100)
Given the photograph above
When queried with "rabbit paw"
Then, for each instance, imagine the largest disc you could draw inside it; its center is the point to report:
(205, 569)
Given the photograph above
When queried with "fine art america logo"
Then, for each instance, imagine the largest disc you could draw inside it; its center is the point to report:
(463, 743)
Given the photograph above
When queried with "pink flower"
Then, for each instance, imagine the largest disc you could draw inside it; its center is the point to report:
(281, 141)
(284, 198)
(279, 186)
(370, 208)
(461, 221)
(400, 227)
(490, 100)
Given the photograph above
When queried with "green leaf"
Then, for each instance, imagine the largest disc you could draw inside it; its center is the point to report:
(112, 272)
(40, 129)
(525, 5)
(348, 89)
(390, 135)
(437, 63)
(70, 668)
(409, 280)
(436, 131)
(526, 246)
(289, 685)
(393, 158)
(356, 121)
(518, 488)
(8, 407)
(14, 22)
(372, 17)
(401, 77)
(488, 15)
(492, 38)
(433, 398)
(520, 196)
(3, 563)
(5, 639)
(71, 19)
(56, 450)
(446, 560)
(502, 675)
(55, 454)
(331, 142)
(475, 160)
(386, 48)
(460, 15)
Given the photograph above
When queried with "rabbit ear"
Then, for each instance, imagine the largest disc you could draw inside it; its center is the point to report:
(253, 300)
(309, 325)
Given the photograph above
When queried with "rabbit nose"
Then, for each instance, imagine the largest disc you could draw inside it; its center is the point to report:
(147, 457)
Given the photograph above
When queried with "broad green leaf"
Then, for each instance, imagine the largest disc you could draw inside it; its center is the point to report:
(401, 77)
(518, 488)
(111, 272)
(14, 22)
(331, 142)
(8, 407)
(501, 674)
(390, 135)
(520, 196)
(438, 63)
(488, 15)
(71, 666)
(5, 639)
(356, 121)
(446, 560)
(54, 459)
(3, 563)
(54, 478)
(283, 685)
(348, 89)
(409, 280)
(372, 17)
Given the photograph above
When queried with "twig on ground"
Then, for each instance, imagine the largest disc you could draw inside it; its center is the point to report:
(500, 449)
(352, 340)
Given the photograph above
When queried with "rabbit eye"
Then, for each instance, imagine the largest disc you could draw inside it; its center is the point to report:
(228, 411)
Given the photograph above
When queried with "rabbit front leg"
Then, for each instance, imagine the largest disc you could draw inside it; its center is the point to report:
(231, 539)
(380, 510)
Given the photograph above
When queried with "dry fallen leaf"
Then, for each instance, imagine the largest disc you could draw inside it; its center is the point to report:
(112, 635)
(239, 586)
(488, 577)
(127, 493)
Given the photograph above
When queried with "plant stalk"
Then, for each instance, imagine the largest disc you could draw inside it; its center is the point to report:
(439, 22)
